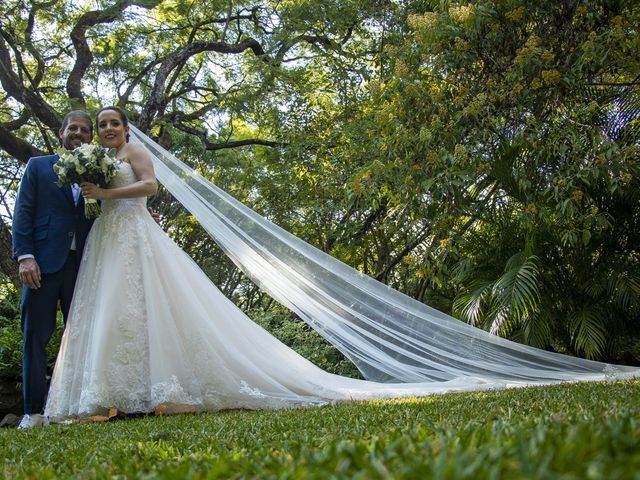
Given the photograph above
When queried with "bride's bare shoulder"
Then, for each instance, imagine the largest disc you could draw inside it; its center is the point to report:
(135, 152)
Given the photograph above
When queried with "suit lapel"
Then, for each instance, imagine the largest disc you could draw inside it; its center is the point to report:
(67, 188)
(80, 205)
(69, 194)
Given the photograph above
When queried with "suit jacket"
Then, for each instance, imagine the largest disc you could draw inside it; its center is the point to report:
(45, 217)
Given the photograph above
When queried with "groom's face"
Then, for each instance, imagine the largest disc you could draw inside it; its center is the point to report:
(76, 132)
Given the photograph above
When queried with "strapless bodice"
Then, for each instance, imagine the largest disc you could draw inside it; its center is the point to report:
(124, 176)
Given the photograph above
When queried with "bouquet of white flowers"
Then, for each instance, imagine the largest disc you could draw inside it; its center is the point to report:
(87, 163)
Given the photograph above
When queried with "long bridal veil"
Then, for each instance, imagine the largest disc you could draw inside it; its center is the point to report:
(389, 336)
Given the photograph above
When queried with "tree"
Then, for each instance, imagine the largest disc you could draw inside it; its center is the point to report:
(513, 127)
(221, 73)
(480, 156)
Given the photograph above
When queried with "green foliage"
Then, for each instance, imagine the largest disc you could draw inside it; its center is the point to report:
(509, 132)
(11, 335)
(512, 297)
(303, 339)
(564, 431)
(480, 156)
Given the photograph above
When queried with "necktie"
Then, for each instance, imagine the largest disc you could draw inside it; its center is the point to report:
(75, 189)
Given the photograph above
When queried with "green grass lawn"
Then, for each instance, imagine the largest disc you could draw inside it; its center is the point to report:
(578, 431)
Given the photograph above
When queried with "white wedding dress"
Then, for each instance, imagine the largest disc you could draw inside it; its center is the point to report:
(147, 327)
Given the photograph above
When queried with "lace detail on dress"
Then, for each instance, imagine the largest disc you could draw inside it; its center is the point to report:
(253, 392)
(610, 372)
(170, 392)
(120, 376)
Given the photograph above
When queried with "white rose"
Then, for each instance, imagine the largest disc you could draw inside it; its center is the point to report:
(85, 149)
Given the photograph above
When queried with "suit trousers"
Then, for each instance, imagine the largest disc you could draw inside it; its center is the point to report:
(39, 311)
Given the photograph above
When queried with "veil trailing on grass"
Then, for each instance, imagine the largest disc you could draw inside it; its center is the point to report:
(389, 336)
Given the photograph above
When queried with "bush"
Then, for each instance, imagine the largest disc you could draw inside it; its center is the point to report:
(299, 336)
(11, 335)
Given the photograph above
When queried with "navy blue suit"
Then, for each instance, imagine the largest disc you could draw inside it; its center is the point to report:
(44, 223)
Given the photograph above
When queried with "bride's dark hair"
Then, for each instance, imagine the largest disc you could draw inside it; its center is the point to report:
(123, 117)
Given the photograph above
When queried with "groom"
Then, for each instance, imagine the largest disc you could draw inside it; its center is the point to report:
(49, 231)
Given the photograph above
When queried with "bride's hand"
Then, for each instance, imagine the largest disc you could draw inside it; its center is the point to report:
(91, 190)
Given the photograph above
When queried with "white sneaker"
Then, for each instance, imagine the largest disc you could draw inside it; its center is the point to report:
(33, 420)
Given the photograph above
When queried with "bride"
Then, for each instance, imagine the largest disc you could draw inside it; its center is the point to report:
(147, 330)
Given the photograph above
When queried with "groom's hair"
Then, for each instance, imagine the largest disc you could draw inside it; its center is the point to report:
(119, 111)
(75, 114)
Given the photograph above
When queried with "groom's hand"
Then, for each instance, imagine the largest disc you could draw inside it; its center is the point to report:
(29, 273)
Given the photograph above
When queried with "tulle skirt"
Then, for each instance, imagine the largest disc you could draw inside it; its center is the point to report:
(147, 327)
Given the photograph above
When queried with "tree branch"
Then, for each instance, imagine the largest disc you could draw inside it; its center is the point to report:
(20, 121)
(311, 39)
(177, 116)
(17, 147)
(241, 143)
(32, 49)
(84, 57)
(381, 276)
(15, 88)
(124, 99)
(229, 144)
(156, 99)
(364, 228)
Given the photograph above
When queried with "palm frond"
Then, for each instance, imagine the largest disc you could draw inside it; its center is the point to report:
(624, 289)
(536, 330)
(469, 306)
(620, 110)
(501, 305)
(588, 334)
(595, 286)
(517, 289)
(502, 323)
(462, 269)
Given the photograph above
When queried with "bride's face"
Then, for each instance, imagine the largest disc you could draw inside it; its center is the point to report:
(111, 129)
